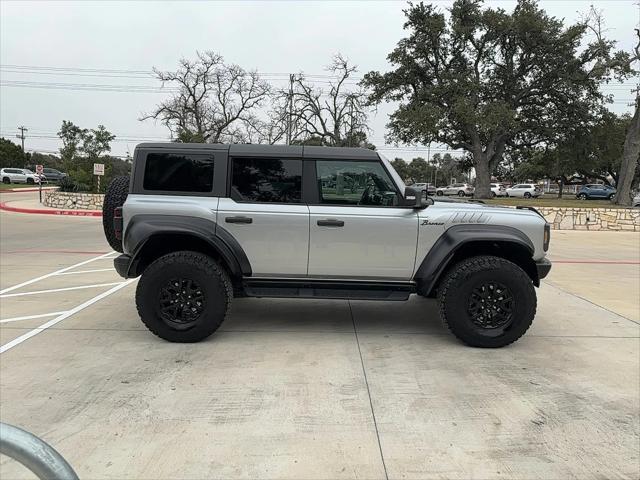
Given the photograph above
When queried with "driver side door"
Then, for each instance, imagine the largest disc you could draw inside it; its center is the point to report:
(358, 229)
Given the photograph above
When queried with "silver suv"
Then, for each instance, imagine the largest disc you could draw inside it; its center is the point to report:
(18, 175)
(204, 223)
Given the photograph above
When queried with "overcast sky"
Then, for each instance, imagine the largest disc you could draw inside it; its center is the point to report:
(271, 37)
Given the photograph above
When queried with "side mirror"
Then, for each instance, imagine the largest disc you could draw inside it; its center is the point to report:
(415, 197)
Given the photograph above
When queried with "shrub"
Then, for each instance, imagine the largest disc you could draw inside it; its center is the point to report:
(68, 185)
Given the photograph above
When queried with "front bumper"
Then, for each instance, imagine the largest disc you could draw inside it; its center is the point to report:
(122, 264)
(543, 266)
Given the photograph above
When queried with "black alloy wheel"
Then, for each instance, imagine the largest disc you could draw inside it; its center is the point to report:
(181, 302)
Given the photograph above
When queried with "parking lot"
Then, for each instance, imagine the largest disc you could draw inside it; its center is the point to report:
(317, 389)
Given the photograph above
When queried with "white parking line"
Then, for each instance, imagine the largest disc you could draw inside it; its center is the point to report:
(38, 292)
(29, 317)
(87, 271)
(57, 272)
(50, 323)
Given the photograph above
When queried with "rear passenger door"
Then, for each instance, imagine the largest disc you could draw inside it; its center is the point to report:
(265, 213)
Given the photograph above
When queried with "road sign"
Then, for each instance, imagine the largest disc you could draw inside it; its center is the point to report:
(98, 168)
(39, 169)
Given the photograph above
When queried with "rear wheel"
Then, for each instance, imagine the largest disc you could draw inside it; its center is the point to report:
(582, 196)
(30, 181)
(184, 296)
(114, 197)
(527, 195)
(493, 194)
(6, 180)
(487, 301)
(461, 193)
(439, 193)
(611, 195)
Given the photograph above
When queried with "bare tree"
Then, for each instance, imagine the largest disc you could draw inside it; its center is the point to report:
(214, 102)
(622, 66)
(631, 153)
(335, 116)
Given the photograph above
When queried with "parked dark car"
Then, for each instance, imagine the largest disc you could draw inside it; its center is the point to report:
(53, 175)
(595, 191)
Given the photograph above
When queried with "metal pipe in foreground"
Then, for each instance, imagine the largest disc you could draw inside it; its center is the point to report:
(35, 454)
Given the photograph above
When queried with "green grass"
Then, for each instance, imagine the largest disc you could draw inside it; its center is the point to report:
(551, 201)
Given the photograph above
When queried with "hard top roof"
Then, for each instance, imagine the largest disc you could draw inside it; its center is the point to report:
(239, 150)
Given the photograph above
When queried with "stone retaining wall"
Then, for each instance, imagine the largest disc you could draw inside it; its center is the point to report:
(74, 201)
(562, 218)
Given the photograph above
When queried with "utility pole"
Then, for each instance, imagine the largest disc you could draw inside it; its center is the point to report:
(292, 79)
(21, 136)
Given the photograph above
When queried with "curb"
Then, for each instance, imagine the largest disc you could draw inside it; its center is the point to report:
(19, 190)
(52, 211)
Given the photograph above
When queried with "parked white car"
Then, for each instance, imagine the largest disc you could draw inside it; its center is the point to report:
(524, 190)
(460, 189)
(18, 175)
(498, 190)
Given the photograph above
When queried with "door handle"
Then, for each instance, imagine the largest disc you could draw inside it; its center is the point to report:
(238, 220)
(330, 223)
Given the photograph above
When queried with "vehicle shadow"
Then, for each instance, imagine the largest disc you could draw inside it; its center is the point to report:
(417, 316)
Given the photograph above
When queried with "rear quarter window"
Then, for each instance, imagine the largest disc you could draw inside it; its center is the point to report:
(179, 172)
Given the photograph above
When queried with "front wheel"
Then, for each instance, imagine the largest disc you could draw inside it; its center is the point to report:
(461, 193)
(30, 181)
(527, 195)
(487, 301)
(611, 195)
(439, 193)
(184, 296)
(582, 196)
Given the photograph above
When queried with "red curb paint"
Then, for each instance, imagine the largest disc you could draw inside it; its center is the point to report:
(52, 211)
(599, 262)
(58, 251)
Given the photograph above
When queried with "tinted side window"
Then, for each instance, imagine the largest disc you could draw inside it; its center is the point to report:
(355, 183)
(177, 172)
(270, 180)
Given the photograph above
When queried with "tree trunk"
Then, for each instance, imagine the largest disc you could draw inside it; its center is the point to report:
(483, 175)
(560, 187)
(630, 156)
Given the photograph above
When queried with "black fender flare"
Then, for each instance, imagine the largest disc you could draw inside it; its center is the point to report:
(443, 250)
(142, 228)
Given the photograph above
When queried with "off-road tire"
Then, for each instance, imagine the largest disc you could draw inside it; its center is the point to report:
(456, 289)
(114, 197)
(212, 279)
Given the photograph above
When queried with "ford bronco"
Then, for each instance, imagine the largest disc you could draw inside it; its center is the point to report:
(203, 223)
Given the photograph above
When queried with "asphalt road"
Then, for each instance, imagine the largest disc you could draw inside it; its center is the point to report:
(317, 389)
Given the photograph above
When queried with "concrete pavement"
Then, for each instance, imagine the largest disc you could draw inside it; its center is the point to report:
(321, 389)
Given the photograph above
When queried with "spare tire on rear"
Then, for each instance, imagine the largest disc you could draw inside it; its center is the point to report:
(115, 197)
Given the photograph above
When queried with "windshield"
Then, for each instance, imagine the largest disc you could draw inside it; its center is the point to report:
(394, 175)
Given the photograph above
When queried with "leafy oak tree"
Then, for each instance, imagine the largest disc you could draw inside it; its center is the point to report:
(11, 155)
(485, 80)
